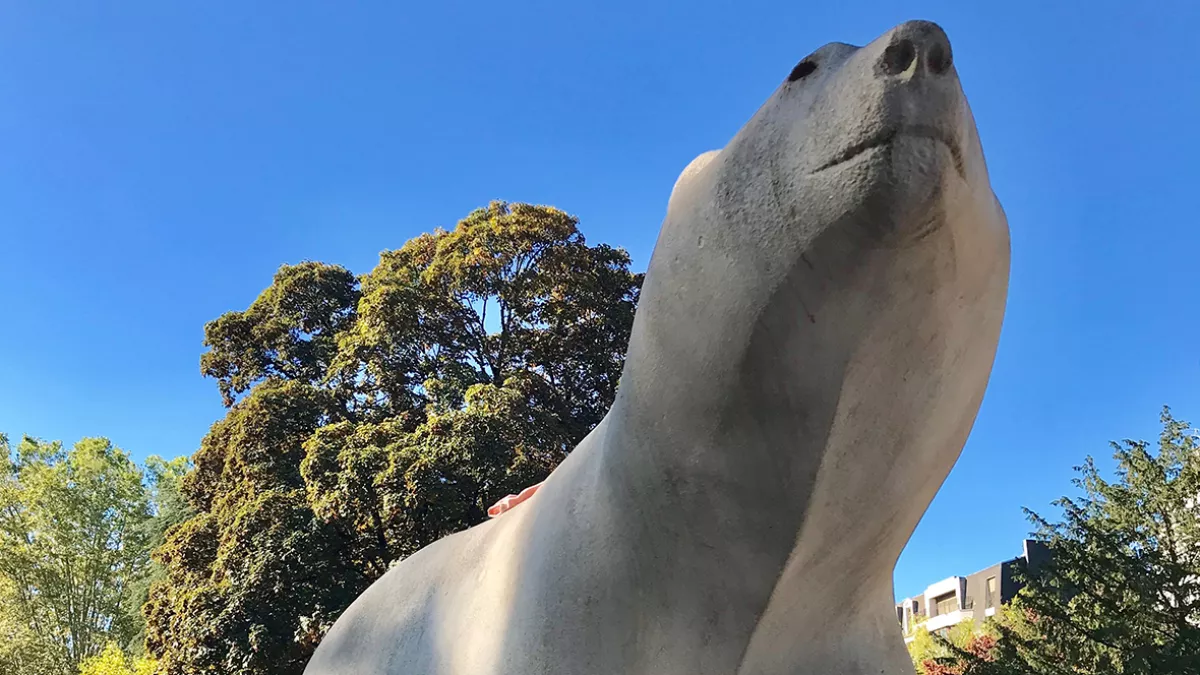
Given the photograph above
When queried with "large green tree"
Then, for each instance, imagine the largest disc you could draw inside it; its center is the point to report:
(162, 480)
(1120, 589)
(21, 650)
(369, 416)
(73, 540)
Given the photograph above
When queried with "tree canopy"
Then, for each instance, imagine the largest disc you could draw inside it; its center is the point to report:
(76, 527)
(370, 416)
(1120, 591)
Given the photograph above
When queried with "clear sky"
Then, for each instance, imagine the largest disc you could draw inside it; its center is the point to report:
(158, 162)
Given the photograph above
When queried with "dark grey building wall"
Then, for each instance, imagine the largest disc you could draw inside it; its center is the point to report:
(1009, 584)
(1036, 554)
(977, 595)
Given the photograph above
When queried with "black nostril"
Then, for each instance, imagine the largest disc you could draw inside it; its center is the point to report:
(922, 44)
(938, 57)
(898, 57)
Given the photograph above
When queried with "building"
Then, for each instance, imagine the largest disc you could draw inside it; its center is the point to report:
(975, 596)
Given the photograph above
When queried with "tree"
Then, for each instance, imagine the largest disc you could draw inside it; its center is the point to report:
(289, 332)
(253, 563)
(1120, 591)
(951, 651)
(369, 417)
(113, 661)
(169, 508)
(393, 492)
(927, 647)
(512, 289)
(20, 649)
(72, 541)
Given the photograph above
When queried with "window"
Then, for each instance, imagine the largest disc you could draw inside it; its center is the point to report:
(990, 595)
(946, 604)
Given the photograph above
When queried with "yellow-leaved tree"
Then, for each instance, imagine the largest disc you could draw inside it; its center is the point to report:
(112, 661)
(927, 651)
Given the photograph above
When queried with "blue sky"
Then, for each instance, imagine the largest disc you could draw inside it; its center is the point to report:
(158, 162)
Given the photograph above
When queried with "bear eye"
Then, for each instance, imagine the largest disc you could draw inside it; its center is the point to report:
(802, 69)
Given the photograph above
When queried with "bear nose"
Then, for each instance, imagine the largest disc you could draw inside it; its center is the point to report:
(916, 46)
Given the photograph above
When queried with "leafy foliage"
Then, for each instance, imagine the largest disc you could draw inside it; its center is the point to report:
(73, 539)
(113, 661)
(1120, 592)
(979, 652)
(21, 651)
(930, 650)
(513, 289)
(370, 417)
(253, 561)
(288, 332)
(170, 509)
(958, 650)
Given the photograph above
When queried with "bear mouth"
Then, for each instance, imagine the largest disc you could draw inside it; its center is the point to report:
(887, 137)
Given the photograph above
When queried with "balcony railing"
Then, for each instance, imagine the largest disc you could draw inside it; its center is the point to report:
(949, 619)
